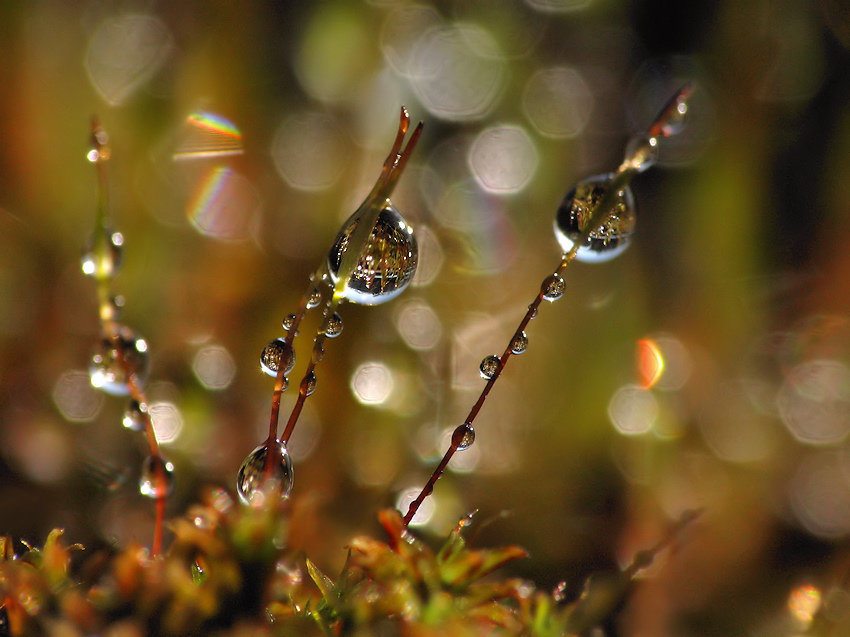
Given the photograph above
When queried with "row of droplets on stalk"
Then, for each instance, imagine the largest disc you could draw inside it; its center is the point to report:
(594, 223)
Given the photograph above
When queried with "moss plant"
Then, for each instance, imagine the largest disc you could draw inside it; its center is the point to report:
(227, 569)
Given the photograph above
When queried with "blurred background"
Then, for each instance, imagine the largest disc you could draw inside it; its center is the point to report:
(243, 134)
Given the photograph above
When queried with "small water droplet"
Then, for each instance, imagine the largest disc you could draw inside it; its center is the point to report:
(519, 343)
(103, 254)
(489, 366)
(308, 384)
(318, 353)
(642, 152)
(463, 436)
(288, 322)
(135, 417)
(387, 263)
(112, 309)
(198, 572)
(676, 118)
(559, 593)
(533, 314)
(553, 287)
(608, 240)
(252, 474)
(276, 354)
(157, 477)
(332, 326)
(117, 359)
(315, 298)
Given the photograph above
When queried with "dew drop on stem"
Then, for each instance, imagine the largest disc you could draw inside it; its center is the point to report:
(553, 288)
(308, 383)
(489, 366)
(288, 322)
(519, 343)
(612, 237)
(157, 477)
(642, 152)
(315, 298)
(135, 417)
(103, 254)
(385, 266)
(118, 359)
(253, 477)
(463, 436)
(275, 355)
(332, 326)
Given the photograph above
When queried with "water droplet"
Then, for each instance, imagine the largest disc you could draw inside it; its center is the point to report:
(308, 384)
(676, 118)
(463, 436)
(103, 254)
(111, 310)
(288, 322)
(642, 152)
(252, 474)
(533, 314)
(332, 326)
(276, 354)
(135, 417)
(387, 263)
(609, 239)
(117, 359)
(157, 477)
(519, 343)
(489, 366)
(559, 593)
(315, 298)
(318, 353)
(553, 287)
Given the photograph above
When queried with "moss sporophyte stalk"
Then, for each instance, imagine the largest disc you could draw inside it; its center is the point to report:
(227, 569)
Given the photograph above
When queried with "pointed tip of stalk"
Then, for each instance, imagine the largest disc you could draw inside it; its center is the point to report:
(674, 110)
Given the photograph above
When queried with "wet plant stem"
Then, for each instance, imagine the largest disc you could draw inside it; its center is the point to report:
(600, 215)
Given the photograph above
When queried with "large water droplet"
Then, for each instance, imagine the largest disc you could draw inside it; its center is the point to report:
(332, 326)
(117, 359)
(252, 474)
(157, 477)
(276, 354)
(609, 239)
(553, 288)
(387, 263)
(489, 366)
(463, 436)
(519, 343)
(135, 417)
(103, 254)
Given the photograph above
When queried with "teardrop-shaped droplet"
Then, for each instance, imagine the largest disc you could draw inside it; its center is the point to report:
(642, 152)
(157, 477)
(253, 474)
(676, 117)
(308, 383)
(608, 240)
(135, 416)
(463, 436)
(519, 343)
(117, 360)
(387, 263)
(288, 322)
(489, 366)
(533, 314)
(314, 298)
(553, 287)
(103, 254)
(332, 326)
(276, 354)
